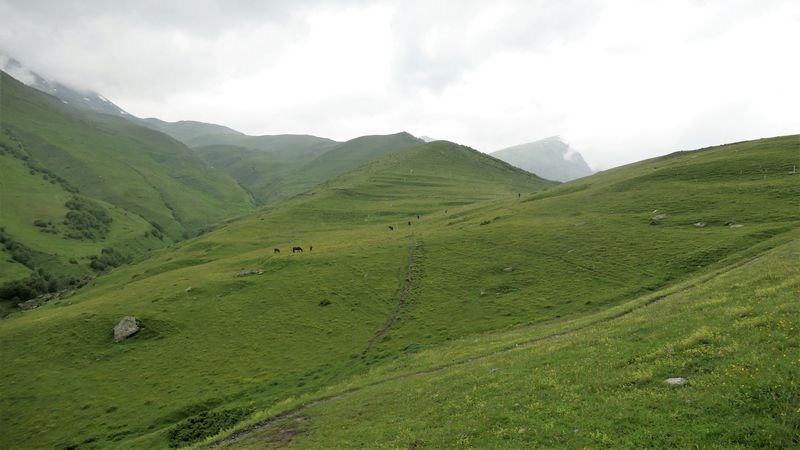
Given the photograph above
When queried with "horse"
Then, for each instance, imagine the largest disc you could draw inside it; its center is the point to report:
(391, 228)
(310, 248)
(276, 250)
(297, 249)
(409, 223)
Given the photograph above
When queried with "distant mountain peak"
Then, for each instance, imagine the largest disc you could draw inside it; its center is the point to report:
(551, 158)
(82, 99)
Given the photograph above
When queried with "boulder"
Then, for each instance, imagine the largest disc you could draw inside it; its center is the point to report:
(700, 224)
(677, 381)
(658, 218)
(126, 327)
(508, 269)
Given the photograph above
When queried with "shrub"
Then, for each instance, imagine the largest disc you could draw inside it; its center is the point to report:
(86, 219)
(203, 425)
(109, 257)
(38, 283)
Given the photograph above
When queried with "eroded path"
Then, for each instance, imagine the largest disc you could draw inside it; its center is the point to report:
(284, 425)
(403, 300)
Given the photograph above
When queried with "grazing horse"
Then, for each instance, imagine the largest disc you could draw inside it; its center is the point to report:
(409, 222)
(391, 228)
(297, 249)
(276, 250)
(310, 248)
(417, 217)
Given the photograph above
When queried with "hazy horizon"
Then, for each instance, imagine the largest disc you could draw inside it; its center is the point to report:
(619, 81)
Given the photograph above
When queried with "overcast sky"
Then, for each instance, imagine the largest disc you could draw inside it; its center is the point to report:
(619, 80)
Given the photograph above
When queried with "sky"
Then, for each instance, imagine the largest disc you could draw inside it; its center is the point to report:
(619, 80)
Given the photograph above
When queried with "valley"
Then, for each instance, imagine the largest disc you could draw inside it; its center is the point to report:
(445, 289)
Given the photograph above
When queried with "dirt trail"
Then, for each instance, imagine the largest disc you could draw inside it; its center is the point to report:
(401, 304)
(297, 410)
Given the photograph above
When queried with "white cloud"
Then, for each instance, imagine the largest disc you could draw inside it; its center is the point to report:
(620, 80)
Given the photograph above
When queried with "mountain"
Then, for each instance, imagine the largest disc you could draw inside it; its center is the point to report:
(278, 143)
(78, 98)
(449, 299)
(427, 138)
(188, 130)
(273, 168)
(551, 158)
(184, 130)
(63, 163)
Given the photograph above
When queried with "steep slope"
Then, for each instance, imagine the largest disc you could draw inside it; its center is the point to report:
(144, 182)
(114, 160)
(88, 100)
(241, 329)
(549, 158)
(273, 168)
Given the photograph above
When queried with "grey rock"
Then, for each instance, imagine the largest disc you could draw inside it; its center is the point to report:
(508, 269)
(244, 273)
(700, 224)
(735, 225)
(658, 218)
(677, 381)
(126, 327)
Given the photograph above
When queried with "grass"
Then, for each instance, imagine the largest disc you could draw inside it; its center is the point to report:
(112, 159)
(733, 336)
(275, 168)
(26, 197)
(491, 268)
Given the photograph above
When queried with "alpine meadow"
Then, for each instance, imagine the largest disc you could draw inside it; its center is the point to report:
(183, 284)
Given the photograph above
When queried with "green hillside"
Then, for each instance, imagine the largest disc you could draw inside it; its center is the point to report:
(114, 160)
(274, 168)
(187, 130)
(294, 143)
(509, 303)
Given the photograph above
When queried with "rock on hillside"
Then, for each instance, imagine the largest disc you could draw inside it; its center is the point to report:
(550, 158)
(126, 327)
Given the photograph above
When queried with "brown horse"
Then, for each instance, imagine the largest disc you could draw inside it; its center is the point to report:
(276, 250)
(297, 249)
(391, 228)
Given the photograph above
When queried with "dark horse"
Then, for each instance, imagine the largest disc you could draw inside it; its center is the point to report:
(391, 228)
(276, 250)
(297, 249)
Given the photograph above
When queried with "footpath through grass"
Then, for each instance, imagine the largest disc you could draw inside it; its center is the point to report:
(217, 347)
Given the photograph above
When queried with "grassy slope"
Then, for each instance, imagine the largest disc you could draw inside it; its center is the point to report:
(294, 143)
(186, 130)
(575, 250)
(25, 197)
(274, 168)
(112, 159)
(594, 383)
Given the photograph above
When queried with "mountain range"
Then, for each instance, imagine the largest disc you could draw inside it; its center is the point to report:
(386, 291)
